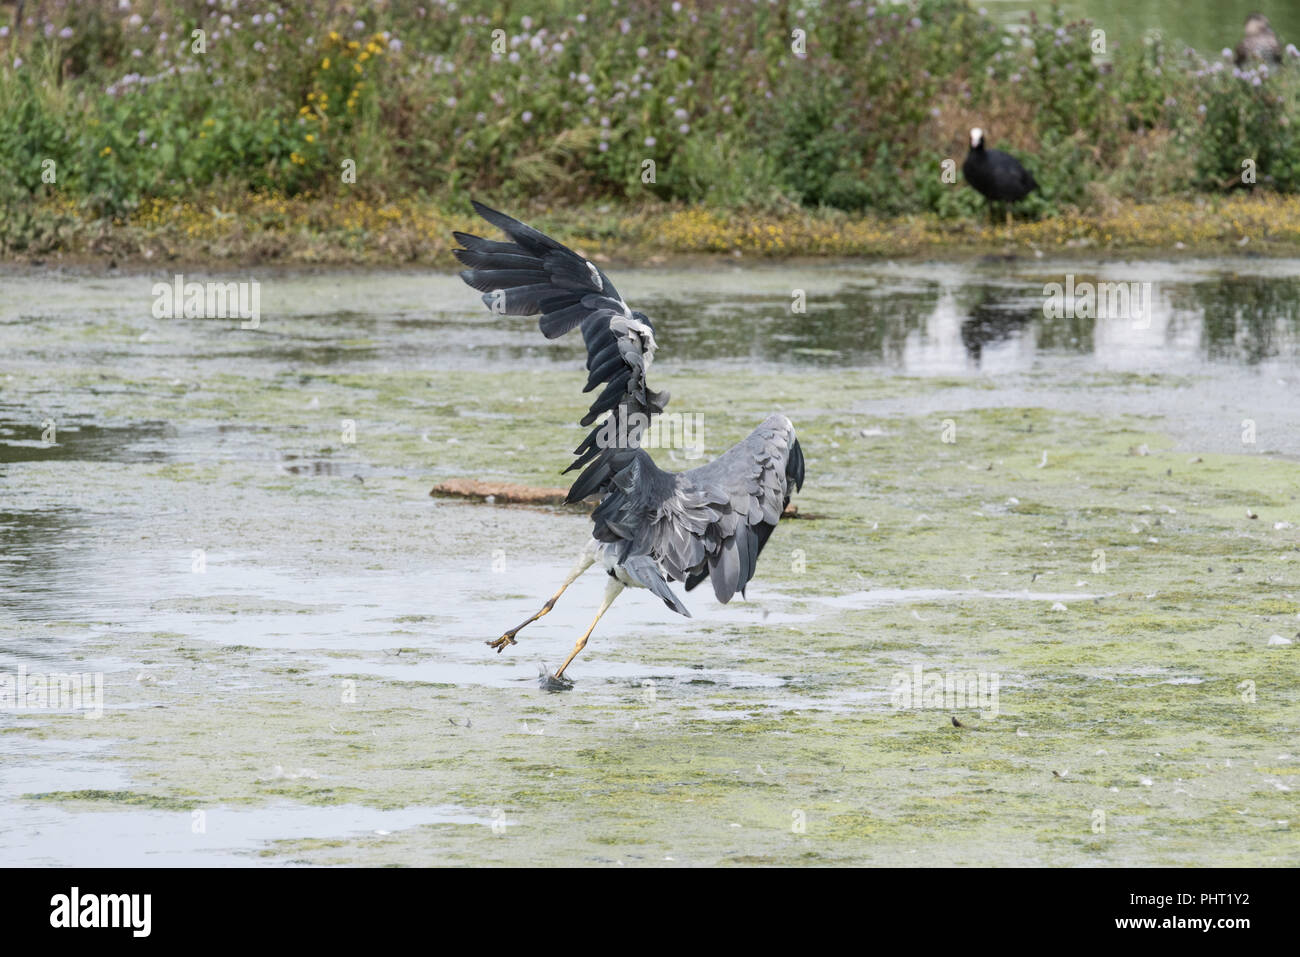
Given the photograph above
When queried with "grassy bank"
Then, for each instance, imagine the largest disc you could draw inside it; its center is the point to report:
(308, 135)
(265, 229)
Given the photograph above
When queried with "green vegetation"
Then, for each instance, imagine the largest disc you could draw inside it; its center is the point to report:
(104, 107)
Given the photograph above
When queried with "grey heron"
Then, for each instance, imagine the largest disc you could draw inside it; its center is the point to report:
(651, 526)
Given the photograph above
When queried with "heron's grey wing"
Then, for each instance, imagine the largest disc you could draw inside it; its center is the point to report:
(659, 520)
(754, 477)
(534, 274)
(643, 569)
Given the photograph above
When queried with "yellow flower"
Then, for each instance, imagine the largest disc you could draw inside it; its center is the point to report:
(325, 63)
(105, 151)
(354, 45)
(363, 57)
(311, 138)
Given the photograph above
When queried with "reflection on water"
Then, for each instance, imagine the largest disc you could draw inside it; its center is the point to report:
(27, 440)
(1243, 318)
(976, 323)
(919, 319)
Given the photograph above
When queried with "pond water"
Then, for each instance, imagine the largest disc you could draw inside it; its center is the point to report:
(189, 508)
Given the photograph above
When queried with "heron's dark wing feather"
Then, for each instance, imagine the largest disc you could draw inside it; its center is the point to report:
(533, 274)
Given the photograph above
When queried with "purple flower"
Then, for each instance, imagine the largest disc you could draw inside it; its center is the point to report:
(671, 54)
(649, 141)
(527, 116)
(66, 33)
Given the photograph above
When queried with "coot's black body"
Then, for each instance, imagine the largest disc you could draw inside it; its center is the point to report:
(995, 175)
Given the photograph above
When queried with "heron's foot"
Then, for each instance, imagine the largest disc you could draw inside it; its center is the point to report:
(550, 682)
(507, 639)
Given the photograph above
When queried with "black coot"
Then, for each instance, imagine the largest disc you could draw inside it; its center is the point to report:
(999, 178)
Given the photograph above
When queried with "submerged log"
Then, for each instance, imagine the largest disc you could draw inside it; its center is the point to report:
(508, 493)
(499, 492)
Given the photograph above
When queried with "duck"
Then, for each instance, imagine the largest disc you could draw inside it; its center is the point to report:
(1258, 41)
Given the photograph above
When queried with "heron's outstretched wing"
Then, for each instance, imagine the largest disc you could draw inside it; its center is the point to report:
(533, 274)
(755, 475)
(710, 522)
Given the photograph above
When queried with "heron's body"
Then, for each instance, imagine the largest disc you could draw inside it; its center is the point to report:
(651, 526)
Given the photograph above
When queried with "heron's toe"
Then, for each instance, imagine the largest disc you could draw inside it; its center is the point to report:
(549, 682)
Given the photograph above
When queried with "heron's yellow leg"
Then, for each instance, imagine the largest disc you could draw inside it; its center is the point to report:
(612, 591)
(585, 561)
(509, 637)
